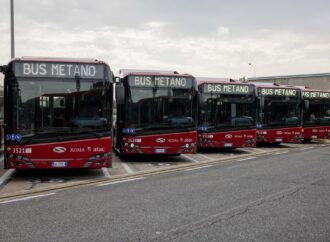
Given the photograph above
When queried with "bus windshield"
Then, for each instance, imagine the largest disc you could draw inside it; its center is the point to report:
(226, 111)
(318, 113)
(52, 107)
(160, 108)
(281, 111)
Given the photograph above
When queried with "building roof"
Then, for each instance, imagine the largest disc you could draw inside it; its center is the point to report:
(289, 76)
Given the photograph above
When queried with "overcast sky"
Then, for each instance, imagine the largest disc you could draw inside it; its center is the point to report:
(204, 38)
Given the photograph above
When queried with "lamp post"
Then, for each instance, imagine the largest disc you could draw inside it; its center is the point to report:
(12, 28)
(254, 69)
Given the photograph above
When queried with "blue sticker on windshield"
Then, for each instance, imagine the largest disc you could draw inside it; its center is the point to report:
(14, 137)
(8, 136)
(18, 137)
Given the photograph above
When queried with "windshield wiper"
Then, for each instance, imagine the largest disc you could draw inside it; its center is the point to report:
(54, 130)
(95, 132)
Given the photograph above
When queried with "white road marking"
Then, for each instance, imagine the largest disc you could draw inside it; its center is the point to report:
(116, 182)
(247, 158)
(190, 158)
(205, 156)
(254, 150)
(163, 164)
(282, 152)
(127, 168)
(197, 168)
(27, 198)
(6, 176)
(307, 148)
(105, 172)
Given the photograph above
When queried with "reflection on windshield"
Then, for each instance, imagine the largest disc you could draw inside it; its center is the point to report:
(227, 111)
(318, 113)
(281, 111)
(60, 106)
(161, 108)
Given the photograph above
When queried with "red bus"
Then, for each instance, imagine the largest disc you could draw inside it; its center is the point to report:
(316, 114)
(156, 113)
(278, 113)
(227, 114)
(58, 113)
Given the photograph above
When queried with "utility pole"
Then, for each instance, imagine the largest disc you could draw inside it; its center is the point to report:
(12, 28)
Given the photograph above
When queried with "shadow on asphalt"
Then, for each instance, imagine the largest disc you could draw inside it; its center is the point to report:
(222, 151)
(58, 173)
(152, 158)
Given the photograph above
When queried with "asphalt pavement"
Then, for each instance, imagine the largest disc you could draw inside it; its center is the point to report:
(280, 197)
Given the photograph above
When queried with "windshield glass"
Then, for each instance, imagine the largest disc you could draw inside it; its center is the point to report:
(60, 106)
(318, 113)
(160, 108)
(281, 111)
(225, 111)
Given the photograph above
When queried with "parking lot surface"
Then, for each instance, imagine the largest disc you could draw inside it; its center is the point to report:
(12, 181)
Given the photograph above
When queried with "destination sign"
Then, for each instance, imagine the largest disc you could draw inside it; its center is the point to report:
(59, 70)
(278, 92)
(227, 88)
(316, 94)
(160, 81)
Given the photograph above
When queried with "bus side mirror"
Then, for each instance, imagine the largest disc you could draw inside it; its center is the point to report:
(306, 104)
(200, 99)
(117, 79)
(261, 102)
(3, 69)
(120, 94)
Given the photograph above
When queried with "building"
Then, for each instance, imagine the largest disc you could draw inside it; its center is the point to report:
(317, 81)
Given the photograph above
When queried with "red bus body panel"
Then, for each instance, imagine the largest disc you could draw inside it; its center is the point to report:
(89, 153)
(228, 139)
(166, 144)
(280, 135)
(317, 132)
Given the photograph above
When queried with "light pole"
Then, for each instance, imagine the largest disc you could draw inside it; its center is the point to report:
(12, 28)
(254, 69)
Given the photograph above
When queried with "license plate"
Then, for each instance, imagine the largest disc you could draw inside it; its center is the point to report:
(228, 145)
(59, 164)
(160, 151)
(314, 137)
(278, 140)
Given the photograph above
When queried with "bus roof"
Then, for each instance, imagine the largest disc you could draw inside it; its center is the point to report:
(130, 72)
(203, 80)
(57, 59)
(273, 85)
(306, 88)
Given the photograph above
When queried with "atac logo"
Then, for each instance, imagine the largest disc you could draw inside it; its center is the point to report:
(279, 132)
(160, 140)
(59, 149)
(228, 136)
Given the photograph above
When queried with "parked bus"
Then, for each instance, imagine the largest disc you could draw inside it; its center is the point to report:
(58, 113)
(278, 113)
(227, 114)
(156, 113)
(316, 114)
